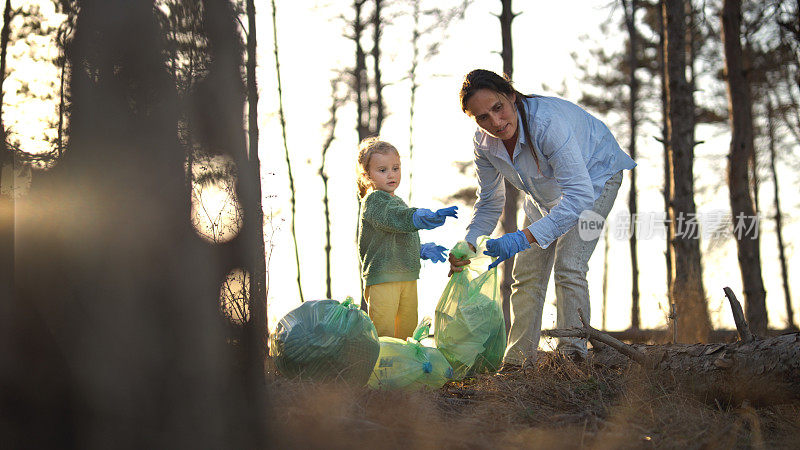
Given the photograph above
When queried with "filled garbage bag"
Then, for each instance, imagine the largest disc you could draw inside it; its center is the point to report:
(326, 340)
(409, 364)
(470, 328)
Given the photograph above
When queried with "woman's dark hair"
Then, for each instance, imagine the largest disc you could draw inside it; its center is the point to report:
(486, 79)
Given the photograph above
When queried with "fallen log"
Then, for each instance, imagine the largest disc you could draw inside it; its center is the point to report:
(764, 371)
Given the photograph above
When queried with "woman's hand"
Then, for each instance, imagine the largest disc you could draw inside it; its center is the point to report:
(457, 265)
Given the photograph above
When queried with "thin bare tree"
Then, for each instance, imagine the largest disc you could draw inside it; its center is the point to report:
(779, 214)
(630, 8)
(336, 103)
(282, 116)
(442, 20)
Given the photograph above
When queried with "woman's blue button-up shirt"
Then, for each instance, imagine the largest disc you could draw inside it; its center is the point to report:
(576, 154)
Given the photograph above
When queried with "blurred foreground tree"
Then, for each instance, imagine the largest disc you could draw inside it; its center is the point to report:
(7, 202)
(114, 334)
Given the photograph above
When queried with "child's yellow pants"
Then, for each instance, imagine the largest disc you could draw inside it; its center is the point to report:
(393, 307)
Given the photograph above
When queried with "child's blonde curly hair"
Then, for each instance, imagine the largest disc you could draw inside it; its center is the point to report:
(368, 147)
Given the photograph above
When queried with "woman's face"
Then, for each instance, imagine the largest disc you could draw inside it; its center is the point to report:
(494, 113)
(384, 171)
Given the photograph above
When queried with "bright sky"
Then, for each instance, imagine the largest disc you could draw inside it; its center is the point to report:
(544, 36)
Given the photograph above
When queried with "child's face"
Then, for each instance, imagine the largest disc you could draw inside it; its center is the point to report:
(384, 171)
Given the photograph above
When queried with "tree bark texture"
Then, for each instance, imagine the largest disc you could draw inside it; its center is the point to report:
(687, 291)
(508, 220)
(740, 157)
(764, 372)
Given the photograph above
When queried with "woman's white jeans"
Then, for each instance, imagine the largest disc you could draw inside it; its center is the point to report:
(568, 258)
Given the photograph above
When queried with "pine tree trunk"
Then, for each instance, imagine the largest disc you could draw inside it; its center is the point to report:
(739, 181)
(376, 65)
(508, 220)
(669, 222)
(633, 85)
(686, 287)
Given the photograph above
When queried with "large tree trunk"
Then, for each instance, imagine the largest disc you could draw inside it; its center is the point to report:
(739, 182)
(630, 7)
(508, 221)
(687, 292)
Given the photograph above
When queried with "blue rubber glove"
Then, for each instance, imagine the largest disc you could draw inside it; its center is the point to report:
(432, 251)
(425, 219)
(506, 246)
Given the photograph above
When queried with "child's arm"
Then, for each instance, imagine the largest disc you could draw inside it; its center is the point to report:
(425, 219)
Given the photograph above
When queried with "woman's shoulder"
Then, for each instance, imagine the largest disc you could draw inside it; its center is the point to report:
(482, 139)
(543, 108)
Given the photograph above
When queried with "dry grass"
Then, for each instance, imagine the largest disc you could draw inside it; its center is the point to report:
(556, 404)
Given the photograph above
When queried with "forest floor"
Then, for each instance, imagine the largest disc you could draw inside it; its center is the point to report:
(556, 404)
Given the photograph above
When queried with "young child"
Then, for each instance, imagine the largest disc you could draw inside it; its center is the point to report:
(388, 240)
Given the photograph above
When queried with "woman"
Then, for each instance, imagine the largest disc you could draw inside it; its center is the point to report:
(569, 166)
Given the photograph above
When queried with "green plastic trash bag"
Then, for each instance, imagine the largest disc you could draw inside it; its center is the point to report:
(470, 328)
(325, 340)
(409, 364)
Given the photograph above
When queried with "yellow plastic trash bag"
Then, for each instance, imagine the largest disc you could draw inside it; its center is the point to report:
(326, 340)
(470, 328)
(409, 364)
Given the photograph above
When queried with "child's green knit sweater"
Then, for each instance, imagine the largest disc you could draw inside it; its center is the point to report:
(388, 241)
